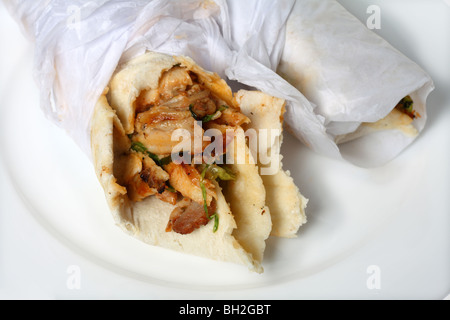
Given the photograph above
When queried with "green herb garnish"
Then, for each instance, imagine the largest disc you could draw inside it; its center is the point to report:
(205, 204)
(216, 221)
(194, 115)
(208, 117)
(407, 104)
(215, 216)
(204, 170)
(222, 173)
(212, 116)
(170, 188)
(214, 172)
(165, 161)
(139, 147)
(202, 186)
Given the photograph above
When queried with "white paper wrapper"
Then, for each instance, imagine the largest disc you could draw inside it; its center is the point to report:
(352, 76)
(79, 44)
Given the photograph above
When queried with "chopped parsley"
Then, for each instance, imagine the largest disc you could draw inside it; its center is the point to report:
(170, 188)
(139, 147)
(208, 117)
(206, 170)
(406, 105)
(194, 115)
(165, 161)
(205, 204)
(216, 221)
(214, 172)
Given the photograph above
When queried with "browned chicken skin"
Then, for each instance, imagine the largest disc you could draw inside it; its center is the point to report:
(188, 216)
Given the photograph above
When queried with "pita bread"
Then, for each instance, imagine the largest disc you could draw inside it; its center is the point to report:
(243, 229)
(395, 120)
(287, 205)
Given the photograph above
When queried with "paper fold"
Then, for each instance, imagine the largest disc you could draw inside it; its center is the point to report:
(343, 67)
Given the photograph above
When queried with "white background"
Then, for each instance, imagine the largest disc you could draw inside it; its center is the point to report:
(403, 208)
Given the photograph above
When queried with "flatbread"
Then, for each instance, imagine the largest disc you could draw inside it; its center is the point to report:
(242, 230)
(395, 120)
(287, 205)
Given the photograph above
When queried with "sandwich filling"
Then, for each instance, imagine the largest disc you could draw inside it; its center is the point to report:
(158, 165)
(406, 106)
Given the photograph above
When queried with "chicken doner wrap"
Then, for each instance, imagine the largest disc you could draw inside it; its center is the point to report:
(172, 156)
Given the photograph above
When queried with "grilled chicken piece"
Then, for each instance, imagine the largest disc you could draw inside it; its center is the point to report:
(186, 180)
(150, 180)
(168, 196)
(154, 129)
(232, 117)
(174, 81)
(189, 216)
(180, 102)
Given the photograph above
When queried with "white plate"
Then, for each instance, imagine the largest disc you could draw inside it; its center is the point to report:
(389, 224)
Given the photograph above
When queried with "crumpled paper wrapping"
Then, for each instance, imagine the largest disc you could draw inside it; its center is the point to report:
(352, 76)
(79, 45)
